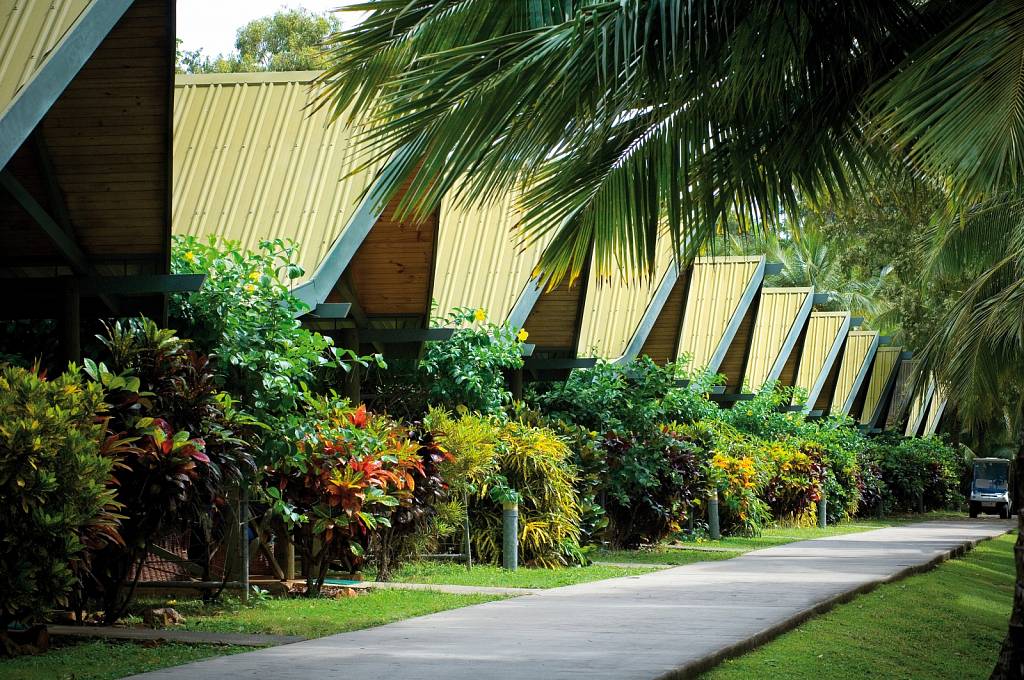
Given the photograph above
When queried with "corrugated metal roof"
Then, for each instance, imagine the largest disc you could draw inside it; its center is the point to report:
(823, 330)
(29, 30)
(252, 163)
(614, 308)
(777, 314)
(479, 261)
(935, 410)
(918, 406)
(886, 361)
(857, 355)
(717, 286)
(901, 392)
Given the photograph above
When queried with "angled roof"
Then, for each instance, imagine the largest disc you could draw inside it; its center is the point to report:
(252, 162)
(43, 45)
(935, 411)
(883, 375)
(919, 405)
(614, 309)
(721, 291)
(781, 316)
(480, 262)
(860, 350)
(826, 333)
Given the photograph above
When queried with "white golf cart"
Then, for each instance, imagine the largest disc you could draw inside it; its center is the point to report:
(991, 492)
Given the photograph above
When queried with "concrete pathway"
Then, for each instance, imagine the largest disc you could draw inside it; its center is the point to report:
(670, 623)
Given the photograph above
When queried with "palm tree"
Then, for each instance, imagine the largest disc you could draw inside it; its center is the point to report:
(809, 259)
(622, 122)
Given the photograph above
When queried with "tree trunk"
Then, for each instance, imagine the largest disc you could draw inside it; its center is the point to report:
(1010, 665)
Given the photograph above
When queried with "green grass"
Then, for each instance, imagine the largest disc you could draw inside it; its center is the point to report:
(488, 575)
(947, 623)
(99, 660)
(319, 617)
(771, 536)
(105, 660)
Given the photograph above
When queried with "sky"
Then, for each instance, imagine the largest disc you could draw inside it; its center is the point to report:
(210, 25)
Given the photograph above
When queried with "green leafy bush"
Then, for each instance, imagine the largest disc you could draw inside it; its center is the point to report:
(918, 473)
(469, 369)
(188, 449)
(535, 463)
(55, 462)
(244, 316)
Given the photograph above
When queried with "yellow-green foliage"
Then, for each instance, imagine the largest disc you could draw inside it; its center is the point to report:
(53, 486)
(535, 462)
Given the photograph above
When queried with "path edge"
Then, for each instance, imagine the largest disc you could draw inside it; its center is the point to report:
(705, 663)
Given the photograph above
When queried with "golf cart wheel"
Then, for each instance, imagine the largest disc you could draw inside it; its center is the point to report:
(973, 510)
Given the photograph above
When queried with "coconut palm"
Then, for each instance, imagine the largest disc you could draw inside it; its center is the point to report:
(807, 258)
(622, 122)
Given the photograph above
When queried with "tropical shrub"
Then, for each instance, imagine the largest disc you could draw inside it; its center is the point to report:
(793, 480)
(469, 368)
(631, 398)
(842, 446)
(919, 473)
(189, 447)
(495, 461)
(414, 516)
(55, 464)
(349, 472)
(244, 316)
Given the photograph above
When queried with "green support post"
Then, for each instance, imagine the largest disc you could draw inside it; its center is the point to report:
(510, 536)
(713, 526)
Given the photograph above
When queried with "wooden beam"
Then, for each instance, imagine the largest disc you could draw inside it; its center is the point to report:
(141, 284)
(63, 241)
(540, 364)
(390, 336)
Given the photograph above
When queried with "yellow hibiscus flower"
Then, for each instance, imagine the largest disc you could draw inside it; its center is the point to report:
(190, 256)
(522, 335)
(480, 315)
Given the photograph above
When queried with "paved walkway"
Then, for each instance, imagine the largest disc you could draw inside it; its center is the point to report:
(668, 623)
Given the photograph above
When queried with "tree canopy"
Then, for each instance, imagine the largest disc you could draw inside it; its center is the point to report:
(288, 40)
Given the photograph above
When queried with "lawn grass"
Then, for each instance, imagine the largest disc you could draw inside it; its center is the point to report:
(947, 623)
(105, 660)
(688, 553)
(100, 660)
(494, 576)
(321, 616)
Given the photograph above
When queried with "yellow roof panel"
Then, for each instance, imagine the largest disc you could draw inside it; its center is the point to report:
(480, 262)
(717, 287)
(935, 409)
(29, 30)
(614, 308)
(251, 162)
(855, 358)
(919, 404)
(886, 361)
(777, 314)
(824, 329)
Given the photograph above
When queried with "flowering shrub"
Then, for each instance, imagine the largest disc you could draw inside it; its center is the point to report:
(245, 317)
(794, 479)
(468, 369)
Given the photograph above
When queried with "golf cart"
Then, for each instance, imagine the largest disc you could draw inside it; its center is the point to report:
(991, 491)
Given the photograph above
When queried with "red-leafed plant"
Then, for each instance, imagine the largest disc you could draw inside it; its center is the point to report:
(350, 471)
(185, 453)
